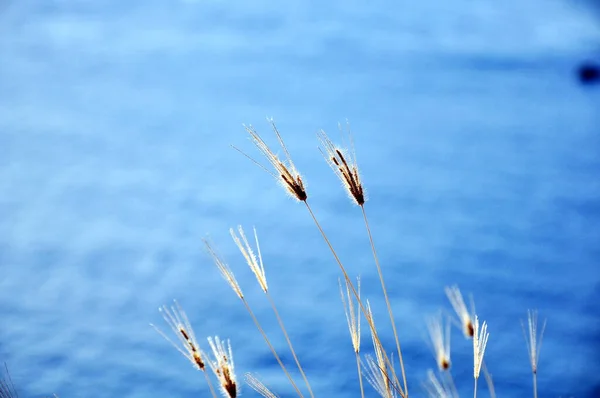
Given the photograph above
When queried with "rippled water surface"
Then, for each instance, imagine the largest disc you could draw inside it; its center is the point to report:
(479, 151)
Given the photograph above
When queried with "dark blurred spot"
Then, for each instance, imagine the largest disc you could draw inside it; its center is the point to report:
(589, 73)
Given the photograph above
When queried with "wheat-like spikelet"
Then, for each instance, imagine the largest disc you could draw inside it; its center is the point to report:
(465, 317)
(224, 269)
(179, 323)
(259, 386)
(256, 265)
(440, 338)
(534, 344)
(285, 170)
(437, 388)
(223, 367)
(343, 163)
(352, 315)
(353, 320)
(480, 339)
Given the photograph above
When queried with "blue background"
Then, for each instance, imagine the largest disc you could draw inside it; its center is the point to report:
(479, 150)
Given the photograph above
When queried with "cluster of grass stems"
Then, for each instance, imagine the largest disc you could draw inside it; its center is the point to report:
(377, 368)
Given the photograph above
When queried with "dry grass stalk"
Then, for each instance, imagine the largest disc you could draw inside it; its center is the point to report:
(343, 163)
(534, 344)
(230, 278)
(480, 339)
(259, 386)
(440, 338)
(353, 320)
(285, 171)
(465, 317)
(223, 367)
(179, 323)
(257, 267)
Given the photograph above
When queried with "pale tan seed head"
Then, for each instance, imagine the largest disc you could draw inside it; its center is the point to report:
(381, 380)
(480, 339)
(223, 367)
(259, 386)
(285, 170)
(352, 316)
(442, 387)
(465, 317)
(439, 333)
(179, 323)
(343, 163)
(255, 264)
(534, 342)
(223, 268)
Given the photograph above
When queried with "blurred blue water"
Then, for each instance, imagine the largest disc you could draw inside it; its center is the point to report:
(479, 151)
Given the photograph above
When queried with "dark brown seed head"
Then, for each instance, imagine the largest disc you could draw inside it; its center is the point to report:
(344, 166)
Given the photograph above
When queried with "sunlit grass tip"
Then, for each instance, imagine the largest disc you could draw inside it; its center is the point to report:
(223, 367)
(285, 170)
(465, 317)
(343, 163)
(439, 333)
(179, 323)
(226, 272)
(255, 263)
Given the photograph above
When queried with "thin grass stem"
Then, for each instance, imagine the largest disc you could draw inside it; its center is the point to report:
(360, 377)
(387, 300)
(287, 337)
(264, 335)
(356, 295)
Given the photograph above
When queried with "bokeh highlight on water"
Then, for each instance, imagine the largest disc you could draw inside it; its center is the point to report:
(478, 148)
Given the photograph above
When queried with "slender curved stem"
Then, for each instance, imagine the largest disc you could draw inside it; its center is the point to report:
(262, 332)
(387, 300)
(289, 343)
(353, 289)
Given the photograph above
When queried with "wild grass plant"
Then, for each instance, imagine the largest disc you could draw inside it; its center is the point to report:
(376, 365)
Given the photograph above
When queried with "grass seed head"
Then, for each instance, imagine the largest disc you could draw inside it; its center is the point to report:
(343, 163)
(255, 264)
(223, 367)
(440, 338)
(179, 323)
(285, 171)
(352, 316)
(480, 339)
(465, 317)
(534, 342)
(226, 272)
